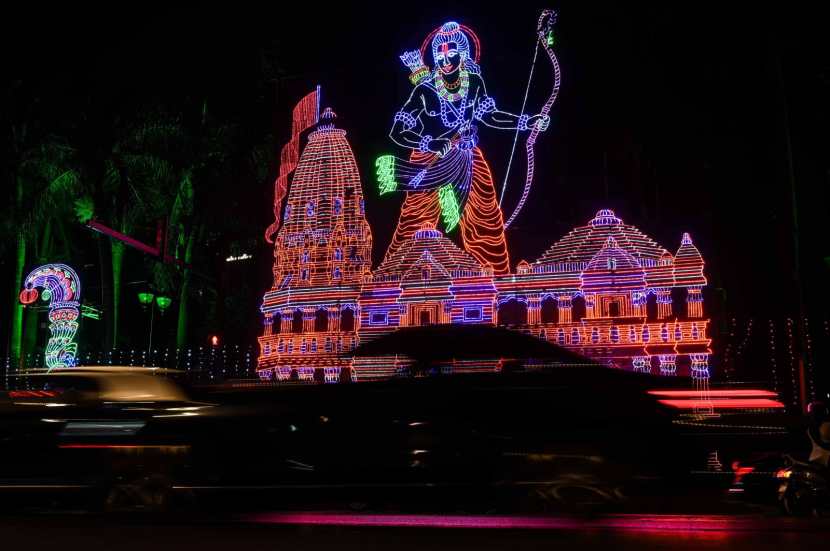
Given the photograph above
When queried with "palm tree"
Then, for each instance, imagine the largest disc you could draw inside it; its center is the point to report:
(203, 171)
(159, 165)
(45, 181)
(198, 155)
(126, 192)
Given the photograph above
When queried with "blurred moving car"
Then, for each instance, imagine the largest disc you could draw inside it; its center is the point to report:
(59, 429)
(574, 438)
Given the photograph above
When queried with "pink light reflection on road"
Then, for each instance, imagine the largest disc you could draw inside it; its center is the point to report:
(655, 524)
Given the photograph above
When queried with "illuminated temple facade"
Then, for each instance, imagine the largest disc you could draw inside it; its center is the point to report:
(605, 289)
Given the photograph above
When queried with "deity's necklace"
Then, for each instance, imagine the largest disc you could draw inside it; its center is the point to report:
(445, 90)
(452, 86)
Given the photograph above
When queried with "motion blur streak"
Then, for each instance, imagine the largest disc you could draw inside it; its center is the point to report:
(120, 447)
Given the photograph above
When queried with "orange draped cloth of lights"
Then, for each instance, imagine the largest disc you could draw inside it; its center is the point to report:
(306, 114)
(482, 224)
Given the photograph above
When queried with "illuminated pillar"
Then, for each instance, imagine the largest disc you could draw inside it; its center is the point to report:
(590, 306)
(641, 364)
(638, 303)
(663, 304)
(308, 320)
(668, 364)
(332, 374)
(445, 312)
(534, 310)
(563, 303)
(700, 366)
(286, 321)
(694, 303)
(334, 319)
(269, 321)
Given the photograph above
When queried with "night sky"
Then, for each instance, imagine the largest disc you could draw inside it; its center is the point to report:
(673, 116)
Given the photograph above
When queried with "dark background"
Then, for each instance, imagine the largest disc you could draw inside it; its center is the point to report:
(675, 116)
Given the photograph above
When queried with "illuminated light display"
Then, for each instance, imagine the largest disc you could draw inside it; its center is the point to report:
(449, 207)
(605, 289)
(62, 288)
(599, 285)
(623, 281)
(306, 114)
(322, 252)
(428, 280)
(446, 173)
(544, 30)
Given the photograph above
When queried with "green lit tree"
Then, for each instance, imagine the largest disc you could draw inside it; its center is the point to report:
(204, 167)
(45, 181)
(126, 190)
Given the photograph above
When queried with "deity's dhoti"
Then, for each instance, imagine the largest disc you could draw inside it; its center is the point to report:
(482, 224)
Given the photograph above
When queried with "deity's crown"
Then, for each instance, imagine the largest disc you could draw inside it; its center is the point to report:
(451, 32)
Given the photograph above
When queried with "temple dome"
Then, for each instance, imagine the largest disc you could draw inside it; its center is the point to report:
(581, 244)
(688, 264)
(428, 243)
(613, 267)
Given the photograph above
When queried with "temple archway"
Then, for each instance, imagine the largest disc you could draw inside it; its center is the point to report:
(549, 311)
(578, 308)
(513, 312)
(678, 302)
(297, 322)
(651, 306)
(321, 320)
(347, 319)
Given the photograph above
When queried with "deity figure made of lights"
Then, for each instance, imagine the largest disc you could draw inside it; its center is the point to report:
(62, 290)
(446, 177)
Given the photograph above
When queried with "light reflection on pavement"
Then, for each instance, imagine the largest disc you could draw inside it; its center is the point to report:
(627, 523)
(407, 532)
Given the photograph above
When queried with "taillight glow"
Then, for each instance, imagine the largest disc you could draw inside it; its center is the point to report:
(741, 403)
(745, 398)
(32, 394)
(727, 393)
(740, 472)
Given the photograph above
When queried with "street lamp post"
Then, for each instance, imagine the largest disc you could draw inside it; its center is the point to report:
(146, 300)
(162, 302)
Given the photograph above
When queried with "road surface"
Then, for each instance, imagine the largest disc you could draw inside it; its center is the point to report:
(345, 530)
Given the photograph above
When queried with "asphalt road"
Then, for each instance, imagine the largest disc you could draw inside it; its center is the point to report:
(344, 530)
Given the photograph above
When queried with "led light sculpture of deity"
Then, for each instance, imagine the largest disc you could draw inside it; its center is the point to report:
(62, 288)
(446, 176)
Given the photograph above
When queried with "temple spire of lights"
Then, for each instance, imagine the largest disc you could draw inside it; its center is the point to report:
(321, 253)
